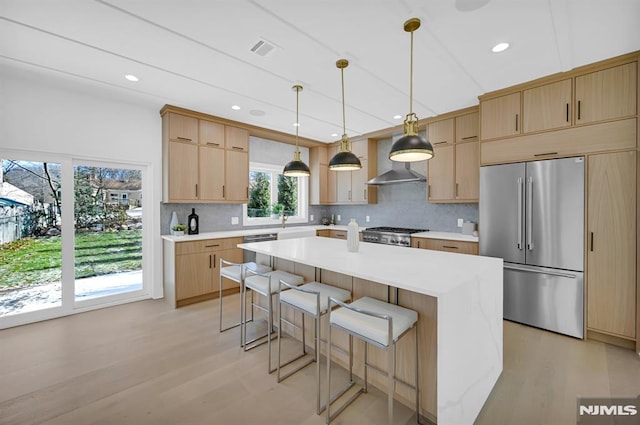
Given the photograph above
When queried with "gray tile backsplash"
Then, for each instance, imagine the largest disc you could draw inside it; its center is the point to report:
(401, 205)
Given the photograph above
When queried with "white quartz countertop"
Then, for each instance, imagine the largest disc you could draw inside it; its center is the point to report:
(446, 235)
(433, 273)
(248, 232)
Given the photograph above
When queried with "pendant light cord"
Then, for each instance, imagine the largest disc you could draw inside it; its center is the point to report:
(297, 119)
(344, 125)
(411, 79)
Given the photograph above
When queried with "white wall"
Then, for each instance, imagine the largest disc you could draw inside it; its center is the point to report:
(71, 117)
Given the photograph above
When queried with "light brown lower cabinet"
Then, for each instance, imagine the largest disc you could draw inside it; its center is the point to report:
(611, 244)
(192, 269)
(460, 247)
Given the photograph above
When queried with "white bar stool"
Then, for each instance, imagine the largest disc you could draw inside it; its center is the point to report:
(312, 299)
(235, 272)
(377, 323)
(267, 285)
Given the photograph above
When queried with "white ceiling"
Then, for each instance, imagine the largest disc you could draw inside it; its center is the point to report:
(196, 53)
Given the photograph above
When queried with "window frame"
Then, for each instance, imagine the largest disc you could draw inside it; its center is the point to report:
(303, 198)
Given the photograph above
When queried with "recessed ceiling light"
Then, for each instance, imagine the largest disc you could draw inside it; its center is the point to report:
(296, 124)
(334, 134)
(257, 112)
(235, 107)
(500, 47)
(397, 117)
(132, 77)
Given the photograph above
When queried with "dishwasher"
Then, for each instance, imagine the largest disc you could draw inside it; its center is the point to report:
(248, 256)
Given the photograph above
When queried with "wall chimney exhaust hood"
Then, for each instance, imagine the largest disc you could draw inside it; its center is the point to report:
(402, 175)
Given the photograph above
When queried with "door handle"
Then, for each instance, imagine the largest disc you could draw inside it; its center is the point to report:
(214, 260)
(530, 215)
(544, 271)
(209, 260)
(567, 112)
(591, 249)
(520, 213)
(516, 122)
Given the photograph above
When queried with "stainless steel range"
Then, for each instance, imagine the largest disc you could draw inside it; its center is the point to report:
(390, 235)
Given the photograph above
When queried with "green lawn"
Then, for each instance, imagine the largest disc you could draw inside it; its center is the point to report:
(33, 261)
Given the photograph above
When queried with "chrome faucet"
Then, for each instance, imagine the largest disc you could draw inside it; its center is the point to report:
(284, 218)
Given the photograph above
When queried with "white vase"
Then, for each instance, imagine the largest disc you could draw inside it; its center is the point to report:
(174, 221)
(353, 236)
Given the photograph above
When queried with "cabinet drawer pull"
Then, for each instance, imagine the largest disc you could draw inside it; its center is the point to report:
(209, 260)
(546, 153)
(440, 143)
(579, 109)
(450, 247)
(469, 137)
(237, 147)
(567, 112)
(184, 138)
(516, 122)
(213, 144)
(214, 261)
(211, 246)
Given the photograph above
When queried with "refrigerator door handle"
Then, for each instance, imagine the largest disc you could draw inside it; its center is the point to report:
(539, 271)
(520, 213)
(530, 214)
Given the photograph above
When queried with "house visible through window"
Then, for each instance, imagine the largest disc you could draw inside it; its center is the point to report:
(271, 194)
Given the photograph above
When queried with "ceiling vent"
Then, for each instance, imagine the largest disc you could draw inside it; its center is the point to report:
(263, 47)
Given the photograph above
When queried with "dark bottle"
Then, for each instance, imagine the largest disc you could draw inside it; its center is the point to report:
(193, 225)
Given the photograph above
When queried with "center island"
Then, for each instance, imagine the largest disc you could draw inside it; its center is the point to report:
(459, 303)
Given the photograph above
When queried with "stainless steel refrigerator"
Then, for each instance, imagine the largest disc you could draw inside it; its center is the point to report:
(532, 216)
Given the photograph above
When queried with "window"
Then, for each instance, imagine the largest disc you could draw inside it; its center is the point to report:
(271, 193)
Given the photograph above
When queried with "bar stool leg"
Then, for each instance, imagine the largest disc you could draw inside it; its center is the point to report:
(417, 379)
(392, 361)
(328, 399)
(366, 366)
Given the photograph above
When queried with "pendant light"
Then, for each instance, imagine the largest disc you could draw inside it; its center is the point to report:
(296, 168)
(344, 160)
(411, 147)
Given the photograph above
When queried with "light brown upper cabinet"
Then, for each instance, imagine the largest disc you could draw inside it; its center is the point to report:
(500, 117)
(211, 166)
(467, 172)
(441, 171)
(183, 128)
(547, 107)
(343, 187)
(203, 160)
(606, 94)
(236, 138)
(441, 132)
(181, 171)
(467, 128)
(211, 133)
(611, 244)
(454, 170)
(236, 188)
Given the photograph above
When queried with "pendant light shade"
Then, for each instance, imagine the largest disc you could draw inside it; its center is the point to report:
(344, 160)
(296, 168)
(411, 147)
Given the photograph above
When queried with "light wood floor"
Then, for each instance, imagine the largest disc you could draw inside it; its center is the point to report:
(144, 363)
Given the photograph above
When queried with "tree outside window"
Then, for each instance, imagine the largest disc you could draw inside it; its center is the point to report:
(271, 193)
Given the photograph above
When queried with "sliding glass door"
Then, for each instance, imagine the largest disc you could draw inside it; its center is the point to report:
(108, 231)
(71, 236)
(30, 236)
